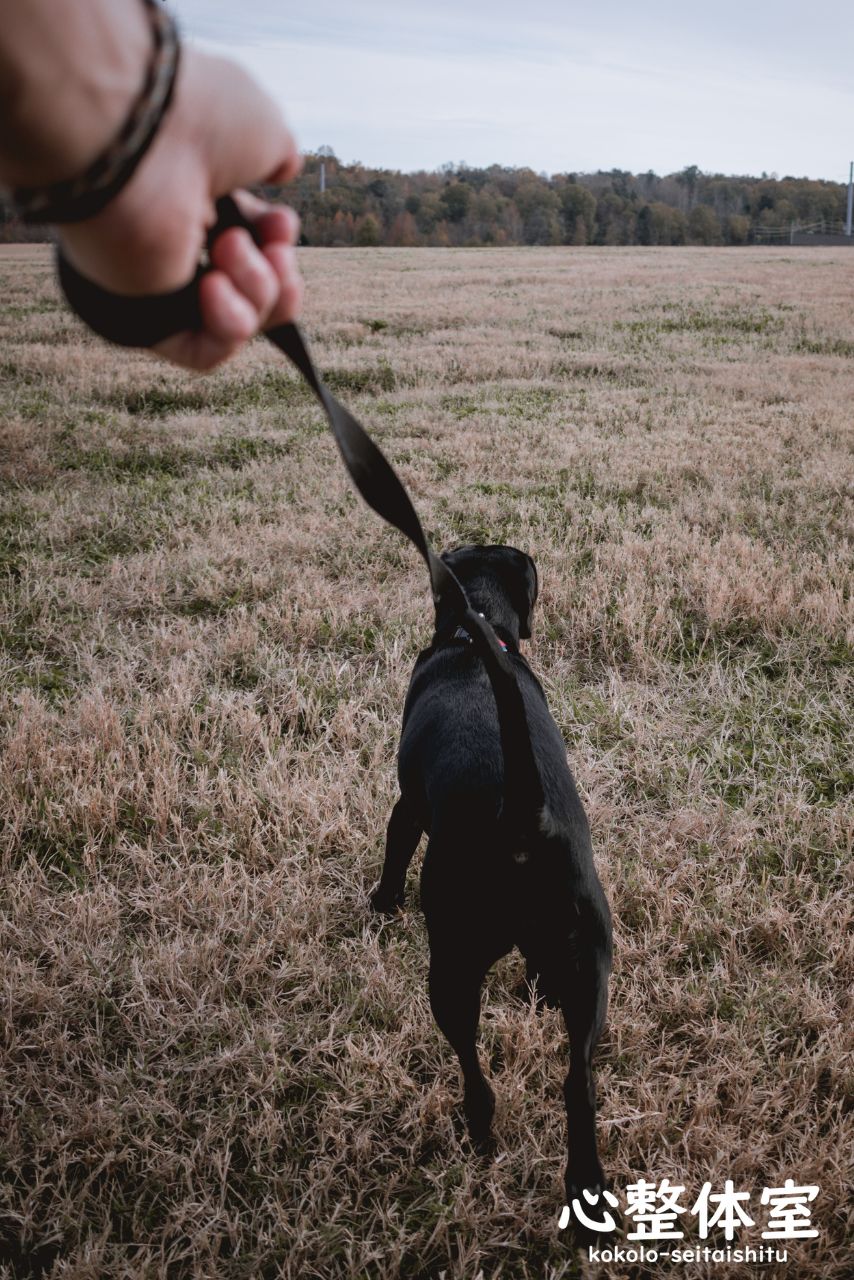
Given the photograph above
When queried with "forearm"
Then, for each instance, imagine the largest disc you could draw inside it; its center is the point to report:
(69, 71)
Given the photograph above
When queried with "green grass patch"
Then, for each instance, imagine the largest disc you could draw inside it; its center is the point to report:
(825, 347)
(726, 321)
(270, 389)
(362, 381)
(142, 462)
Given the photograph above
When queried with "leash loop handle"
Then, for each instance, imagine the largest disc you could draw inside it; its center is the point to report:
(143, 321)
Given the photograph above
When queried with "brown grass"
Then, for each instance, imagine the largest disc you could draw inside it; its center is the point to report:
(214, 1061)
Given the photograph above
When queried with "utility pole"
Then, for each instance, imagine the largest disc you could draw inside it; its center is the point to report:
(323, 175)
(850, 198)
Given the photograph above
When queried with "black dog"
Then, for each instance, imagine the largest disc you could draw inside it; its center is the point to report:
(509, 860)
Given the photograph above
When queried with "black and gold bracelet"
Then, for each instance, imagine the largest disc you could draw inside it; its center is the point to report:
(76, 199)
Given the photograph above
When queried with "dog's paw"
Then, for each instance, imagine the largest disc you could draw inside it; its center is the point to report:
(386, 904)
(585, 1194)
(479, 1108)
(584, 1179)
(484, 1146)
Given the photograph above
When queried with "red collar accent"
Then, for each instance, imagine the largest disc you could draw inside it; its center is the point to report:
(462, 634)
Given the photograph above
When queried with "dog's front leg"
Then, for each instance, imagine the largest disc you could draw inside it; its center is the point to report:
(404, 832)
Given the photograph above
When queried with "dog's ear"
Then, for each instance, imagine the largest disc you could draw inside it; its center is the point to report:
(531, 589)
(448, 556)
(531, 581)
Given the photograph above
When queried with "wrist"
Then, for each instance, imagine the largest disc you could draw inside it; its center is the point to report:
(66, 85)
(148, 238)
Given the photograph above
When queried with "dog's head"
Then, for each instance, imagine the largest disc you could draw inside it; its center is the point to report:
(500, 582)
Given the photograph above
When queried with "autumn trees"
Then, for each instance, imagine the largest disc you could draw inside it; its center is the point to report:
(461, 205)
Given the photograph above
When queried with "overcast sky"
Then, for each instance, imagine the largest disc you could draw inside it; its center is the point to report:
(735, 86)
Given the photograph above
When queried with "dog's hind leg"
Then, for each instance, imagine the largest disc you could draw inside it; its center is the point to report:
(567, 948)
(402, 836)
(455, 1001)
(583, 1000)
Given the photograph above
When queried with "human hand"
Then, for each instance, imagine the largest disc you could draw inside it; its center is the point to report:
(222, 132)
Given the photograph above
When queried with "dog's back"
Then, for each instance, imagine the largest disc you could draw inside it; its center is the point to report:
(451, 755)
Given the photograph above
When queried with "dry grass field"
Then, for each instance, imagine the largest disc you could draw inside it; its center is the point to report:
(214, 1062)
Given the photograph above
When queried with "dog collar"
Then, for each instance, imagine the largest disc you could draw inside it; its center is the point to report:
(462, 634)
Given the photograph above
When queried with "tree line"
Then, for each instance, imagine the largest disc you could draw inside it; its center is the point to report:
(465, 206)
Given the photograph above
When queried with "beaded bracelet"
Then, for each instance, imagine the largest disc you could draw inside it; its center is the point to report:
(82, 197)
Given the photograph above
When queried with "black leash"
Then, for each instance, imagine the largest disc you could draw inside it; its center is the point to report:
(144, 321)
